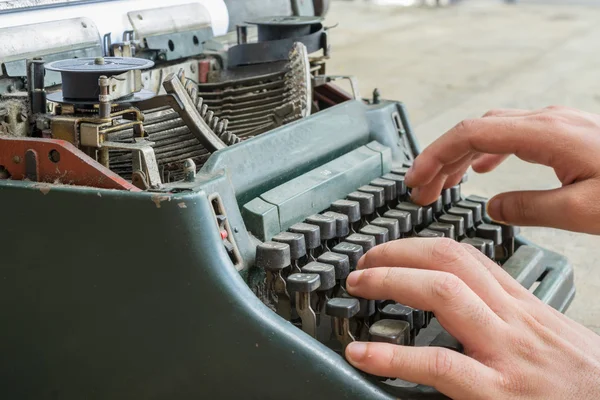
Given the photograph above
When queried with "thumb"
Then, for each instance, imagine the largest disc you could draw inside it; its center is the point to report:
(556, 208)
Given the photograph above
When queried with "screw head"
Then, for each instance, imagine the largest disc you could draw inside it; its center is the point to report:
(16, 159)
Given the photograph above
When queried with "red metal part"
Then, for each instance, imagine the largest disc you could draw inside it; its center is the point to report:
(56, 161)
(203, 70)
(330, 95)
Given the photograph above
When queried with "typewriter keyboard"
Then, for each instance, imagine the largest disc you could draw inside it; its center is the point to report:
(307, 265)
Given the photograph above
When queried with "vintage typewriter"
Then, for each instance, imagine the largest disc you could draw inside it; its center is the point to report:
(180, 225)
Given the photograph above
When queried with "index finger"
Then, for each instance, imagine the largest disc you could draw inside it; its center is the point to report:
(531, 138)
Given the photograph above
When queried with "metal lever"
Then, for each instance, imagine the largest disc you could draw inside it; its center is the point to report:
(179, 100)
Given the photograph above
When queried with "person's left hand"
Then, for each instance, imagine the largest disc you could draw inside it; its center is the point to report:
(516, 347)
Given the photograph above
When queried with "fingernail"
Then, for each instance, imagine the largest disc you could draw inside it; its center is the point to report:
(352, 279)
(356, 351)
(494, 209)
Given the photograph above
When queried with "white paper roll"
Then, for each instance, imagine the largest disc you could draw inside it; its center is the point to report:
(111, 16)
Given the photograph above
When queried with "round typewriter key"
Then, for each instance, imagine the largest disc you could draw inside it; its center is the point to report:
(389, 188)
(437, 205)
(304, 283)
(477, 243)
(326, 225)
(428, 233)
(312, 234)
(400, 171)
(390, 331)
(381, 234)
(352, 250)
(342, 223)
(295, 241)
(272, 256)
(446, 197)
(416, 212)
(342, 307)
(347, 207)
(446, 229)
(326, 274)
(367, 242)
(476, 208)
(392, 225)
(403, 218)
(455, 193)
(465, 213)
(340, 262)
(366, 201)
(458, 222)
(489, 231)
(377, 192)
(400, 184)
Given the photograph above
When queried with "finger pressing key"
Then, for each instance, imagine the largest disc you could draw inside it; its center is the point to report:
(455, 305)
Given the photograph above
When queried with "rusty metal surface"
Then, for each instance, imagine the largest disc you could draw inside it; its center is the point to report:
(56, 161)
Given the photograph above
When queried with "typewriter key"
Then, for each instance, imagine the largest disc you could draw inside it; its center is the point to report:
(389, 188)
(340, 262)
(274, 257)
(349, 208)
(326, 225)
(458, 222)
(380, 234)
(367, 242)
(474, 207)
(342, 223)
(297, 246)
(352, 250)
(303, 284)
(446, 229)
(390, 331)
(366, 201)
(465, 213)
(377, 192)
(400, 184)
(403, 218)
(390, 224)
(428, 233)
(416, 212)
(477, 243)
(492, 232)
(342, 310)
(455, 193)
(312, 236)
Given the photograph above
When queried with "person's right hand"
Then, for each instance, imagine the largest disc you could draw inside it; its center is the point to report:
(564, 139)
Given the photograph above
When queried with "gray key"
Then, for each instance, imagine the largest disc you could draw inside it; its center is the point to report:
(427, 215)
(446, 197)
(389, 188)
(381, 234)
(416, 212)
(428, 233)
(489, 231)
(437, 206)
(295, 241)
(465, 213)
(390, 331)
(342, 223)
(326, 274)
(366, 201)
(352, 250)
(398, 312)
(477, 243)
(312, 234)
(455, 193)
(303, 285)
(476, 208)
(458, 222)
(326, 225)
(342, 310)
(367, 242)
(274, 257)
(400, 171)
(403, 218)
(479, 200)
(446, 229)
(392, 225)
(340, 262)
(349, 208)
(377, 192)
(490, 248)
(400, 184)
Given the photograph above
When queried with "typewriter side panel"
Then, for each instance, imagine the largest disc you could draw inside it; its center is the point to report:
(161, 312)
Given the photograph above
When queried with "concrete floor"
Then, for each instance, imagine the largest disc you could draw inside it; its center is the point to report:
(454, 63)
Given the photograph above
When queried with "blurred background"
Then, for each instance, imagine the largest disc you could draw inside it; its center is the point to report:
(448, 63)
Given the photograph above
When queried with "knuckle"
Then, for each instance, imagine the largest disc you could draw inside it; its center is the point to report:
(447, 286)
(441, 364)
(447, 251)
(465, 127)
(396, 361)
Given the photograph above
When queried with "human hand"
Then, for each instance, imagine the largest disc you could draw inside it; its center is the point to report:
(564, 139)
(516, 347)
